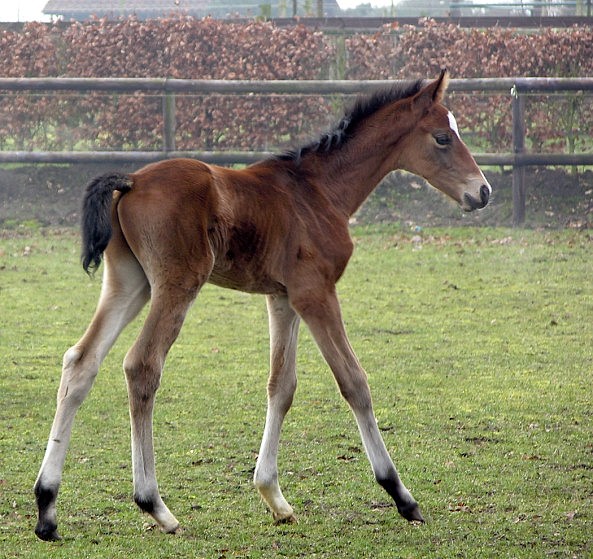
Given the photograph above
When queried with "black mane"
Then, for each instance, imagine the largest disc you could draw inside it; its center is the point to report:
(362, 108)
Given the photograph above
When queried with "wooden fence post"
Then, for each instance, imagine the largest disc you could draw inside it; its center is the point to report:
(169, 121)
(518, 112)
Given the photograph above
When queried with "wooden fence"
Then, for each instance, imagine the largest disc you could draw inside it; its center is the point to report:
(516, 88)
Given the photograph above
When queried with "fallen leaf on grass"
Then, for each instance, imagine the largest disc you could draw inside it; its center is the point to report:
(378, 506)
(459, 507)
(534, 457)
(570, 515)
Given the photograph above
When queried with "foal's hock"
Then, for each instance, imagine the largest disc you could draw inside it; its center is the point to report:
(279, 228)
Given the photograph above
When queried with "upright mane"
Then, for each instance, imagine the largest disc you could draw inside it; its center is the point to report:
(363, 108)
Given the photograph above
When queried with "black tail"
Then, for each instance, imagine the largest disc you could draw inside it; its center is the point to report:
(96, 216)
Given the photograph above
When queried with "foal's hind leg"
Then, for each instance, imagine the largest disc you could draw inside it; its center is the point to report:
(321, 312)
(124, 293)
(284, 326)
(143, 367)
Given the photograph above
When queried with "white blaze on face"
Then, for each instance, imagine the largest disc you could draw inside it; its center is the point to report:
(453, 124)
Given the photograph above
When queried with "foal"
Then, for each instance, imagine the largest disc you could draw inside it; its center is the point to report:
(279, 228)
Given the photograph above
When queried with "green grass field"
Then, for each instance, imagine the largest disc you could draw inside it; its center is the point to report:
(478, 344)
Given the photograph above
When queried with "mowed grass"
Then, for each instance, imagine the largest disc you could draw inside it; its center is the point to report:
(478, 345)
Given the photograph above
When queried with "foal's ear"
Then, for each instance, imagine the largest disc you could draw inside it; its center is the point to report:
(432, 93)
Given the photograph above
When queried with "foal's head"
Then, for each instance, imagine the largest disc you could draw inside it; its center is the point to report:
(434, 150)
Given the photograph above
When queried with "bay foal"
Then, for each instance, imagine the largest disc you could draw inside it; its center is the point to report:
(279, 228)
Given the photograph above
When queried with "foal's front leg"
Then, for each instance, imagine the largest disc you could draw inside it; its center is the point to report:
(321, 311)
(284, 325)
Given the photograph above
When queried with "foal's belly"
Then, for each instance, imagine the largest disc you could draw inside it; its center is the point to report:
(245, 279)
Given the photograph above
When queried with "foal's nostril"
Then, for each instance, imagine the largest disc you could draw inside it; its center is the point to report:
(484, 194)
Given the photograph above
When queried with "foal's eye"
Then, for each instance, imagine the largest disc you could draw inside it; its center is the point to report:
(443, 139)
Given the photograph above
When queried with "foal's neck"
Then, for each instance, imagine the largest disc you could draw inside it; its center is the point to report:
(351, 172)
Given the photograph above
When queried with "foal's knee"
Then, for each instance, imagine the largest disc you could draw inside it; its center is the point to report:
(356, 392)
(281, 391)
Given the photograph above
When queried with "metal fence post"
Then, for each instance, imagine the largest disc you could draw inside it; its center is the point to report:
(518, 112)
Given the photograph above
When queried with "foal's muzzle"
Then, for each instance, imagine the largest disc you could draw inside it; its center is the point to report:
(470, 203)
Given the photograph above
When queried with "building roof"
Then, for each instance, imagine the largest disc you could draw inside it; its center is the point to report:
(83, 9)
(145, 9)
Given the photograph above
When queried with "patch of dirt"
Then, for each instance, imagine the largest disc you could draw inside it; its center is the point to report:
(50, 195)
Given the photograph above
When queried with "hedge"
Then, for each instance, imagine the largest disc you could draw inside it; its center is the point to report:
(217, 49)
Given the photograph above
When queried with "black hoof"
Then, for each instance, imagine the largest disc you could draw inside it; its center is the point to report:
(406, 506)
(411, 513)
(47, 533)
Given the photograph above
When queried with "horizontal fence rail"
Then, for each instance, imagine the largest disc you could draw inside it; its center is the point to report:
(515, 88)
(248, 157)
(312, 87)
(370, 24)
(215, 157)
